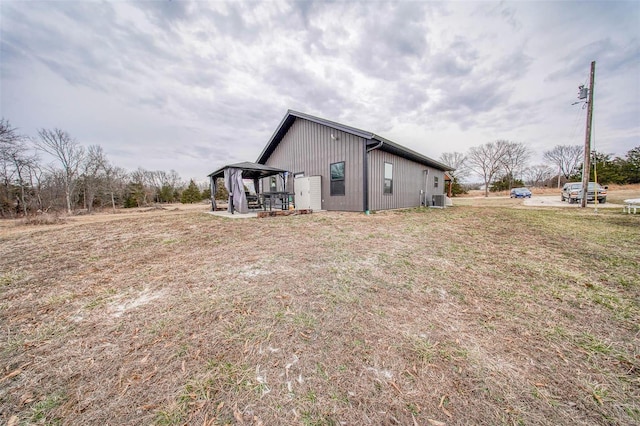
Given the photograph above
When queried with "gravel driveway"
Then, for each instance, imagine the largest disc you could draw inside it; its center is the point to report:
(554, 201)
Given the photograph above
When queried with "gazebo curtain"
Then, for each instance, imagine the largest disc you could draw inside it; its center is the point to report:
(235, 187)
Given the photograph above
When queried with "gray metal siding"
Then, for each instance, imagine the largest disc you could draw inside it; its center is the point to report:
(408, 180)
(308, 147)
(440, 190)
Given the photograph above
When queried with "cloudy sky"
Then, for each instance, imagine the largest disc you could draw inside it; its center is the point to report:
(192, 86)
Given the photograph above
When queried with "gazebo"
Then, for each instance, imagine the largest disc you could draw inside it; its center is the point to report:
(233, 174)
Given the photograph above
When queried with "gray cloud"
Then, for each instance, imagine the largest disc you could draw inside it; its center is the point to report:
(165, 14)
(610, 57)
(513, 65)
(396, 36)
(450, 66)
(505, 12)
(203, 83)
(96, 50)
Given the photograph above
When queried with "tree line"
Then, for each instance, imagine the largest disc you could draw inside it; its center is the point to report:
(84, 179)
(504, 164)
(80, 178)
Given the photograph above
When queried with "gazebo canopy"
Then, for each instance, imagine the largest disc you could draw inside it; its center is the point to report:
(249, 170)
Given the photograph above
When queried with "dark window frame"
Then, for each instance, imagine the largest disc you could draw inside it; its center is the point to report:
(337, 183)
(435, 181)
(387, 189)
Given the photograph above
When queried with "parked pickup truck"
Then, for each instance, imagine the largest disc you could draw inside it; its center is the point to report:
(572, 192)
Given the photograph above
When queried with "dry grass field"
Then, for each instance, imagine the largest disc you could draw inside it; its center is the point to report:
(467, 315)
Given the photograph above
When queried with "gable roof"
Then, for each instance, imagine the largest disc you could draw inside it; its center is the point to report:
(249, 170)
(374, 140)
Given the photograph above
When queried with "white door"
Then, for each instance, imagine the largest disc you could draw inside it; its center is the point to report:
(303, 194)
(308, 192)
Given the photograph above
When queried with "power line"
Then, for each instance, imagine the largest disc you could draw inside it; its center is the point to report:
(575, 124)
(578, 114)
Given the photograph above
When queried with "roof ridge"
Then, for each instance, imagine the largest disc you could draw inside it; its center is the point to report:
(394, 147)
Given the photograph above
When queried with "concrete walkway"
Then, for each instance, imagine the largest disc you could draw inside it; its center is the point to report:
(236, 215)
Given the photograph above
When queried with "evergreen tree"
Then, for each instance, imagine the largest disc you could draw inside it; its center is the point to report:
(631, 166)
(456, 188)
(221, 191)
(167, 194)
(608, 170)
(191, 194)
(134, 195)
(206, 194)
(505, 183)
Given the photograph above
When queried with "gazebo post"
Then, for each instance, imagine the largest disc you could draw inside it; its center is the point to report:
(214, 186)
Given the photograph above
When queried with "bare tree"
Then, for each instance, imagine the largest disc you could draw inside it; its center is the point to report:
(154, 180)
(514, 157)
(6, 172)
(54, 187)
(93, 169)
(9, 136)
(566, 158)
(16, 163)
(486, 160)
(36, 178)
(143, 180)
(115, 178)
(157, 185)
(170, 184)
(23, 163)
(174, 180)
(69, 154)
(457, 161)
(9, 140)
(537, 175)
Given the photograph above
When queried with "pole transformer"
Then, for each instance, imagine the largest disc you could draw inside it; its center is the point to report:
(586, 166)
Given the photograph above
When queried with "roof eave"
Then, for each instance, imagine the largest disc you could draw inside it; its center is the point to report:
(410, 154)
(251, 170)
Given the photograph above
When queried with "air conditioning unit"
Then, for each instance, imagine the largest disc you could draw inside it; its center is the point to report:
(437, 201)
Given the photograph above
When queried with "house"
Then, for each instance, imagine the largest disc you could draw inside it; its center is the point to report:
(332, 166)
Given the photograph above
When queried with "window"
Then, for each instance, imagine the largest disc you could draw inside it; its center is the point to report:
(435, 181)
(388, 178)
(337, 178)
(273, 184)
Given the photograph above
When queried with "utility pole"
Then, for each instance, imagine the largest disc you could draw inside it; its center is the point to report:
(586, 166)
